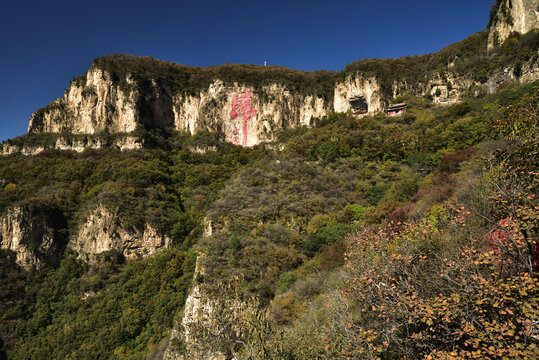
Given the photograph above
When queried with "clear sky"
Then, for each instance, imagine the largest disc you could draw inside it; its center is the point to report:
(44, 44)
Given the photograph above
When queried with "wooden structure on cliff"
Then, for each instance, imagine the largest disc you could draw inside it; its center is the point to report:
(396, 109)
(359, 105)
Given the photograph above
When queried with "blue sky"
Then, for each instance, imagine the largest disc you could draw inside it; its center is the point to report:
(44, 44)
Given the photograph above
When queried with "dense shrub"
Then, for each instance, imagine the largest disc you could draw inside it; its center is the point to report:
(325, 236)
(112, 310)
(191, 80)
(273, 227)
(450, 162)
(469, 57)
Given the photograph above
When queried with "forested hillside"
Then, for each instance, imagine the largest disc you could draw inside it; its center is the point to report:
(380, 237)
(410, 237)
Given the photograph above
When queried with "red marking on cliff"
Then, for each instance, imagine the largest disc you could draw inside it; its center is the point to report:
(235, 106)
(235, 132)
(244, 132)
(242, 107)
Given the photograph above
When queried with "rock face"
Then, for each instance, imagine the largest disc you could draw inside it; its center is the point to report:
(33, 234)
(36, 234)
(102, 231)
(247, 104)
(359, 86)
(513, 15)
(449, 89)
(123, 143)
(199, 309)
(7, 149)
(242, 115)
(245, 116)
(526, 73)
(100, 104)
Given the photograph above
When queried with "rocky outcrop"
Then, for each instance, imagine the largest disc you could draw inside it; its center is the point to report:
(244, 116)
(358, 85)
(247, 104)
(199, 310)
(449, 88)
(34, 233)
(7, 149)
(524, 73)
(123, 143)
(513, 15)
(445, 89)
(219, 108)
(103, 231)
(95, 105)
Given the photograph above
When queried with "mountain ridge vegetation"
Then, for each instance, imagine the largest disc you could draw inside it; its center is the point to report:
(288, 214)
(409, 236)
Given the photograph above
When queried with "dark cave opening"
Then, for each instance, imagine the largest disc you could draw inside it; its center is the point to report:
(359, 104)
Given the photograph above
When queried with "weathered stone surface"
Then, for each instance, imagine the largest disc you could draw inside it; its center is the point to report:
(275, 107)
(452, 88)
(33, 234)
(358, 85)
(124, 143)
(199, 309)
(513, 15)
(528, 72)
(120, 102)
(102, 231)
(100, 105)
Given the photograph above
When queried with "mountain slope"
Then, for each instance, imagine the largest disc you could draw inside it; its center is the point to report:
(275, 220)
(159, 211)
(248, 104)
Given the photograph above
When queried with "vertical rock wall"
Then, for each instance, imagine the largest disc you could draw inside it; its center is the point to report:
(32, 234)
(513, 15)
(103, 231)
(100, 104)
(270, 109)
(358, 85)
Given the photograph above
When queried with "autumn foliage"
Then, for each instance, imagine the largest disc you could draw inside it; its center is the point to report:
(460, 283)
(417, 300)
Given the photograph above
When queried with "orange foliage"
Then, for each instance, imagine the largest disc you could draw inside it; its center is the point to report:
(416, 303)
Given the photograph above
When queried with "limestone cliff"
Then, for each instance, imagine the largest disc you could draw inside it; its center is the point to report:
(71, 143)
(102, 230)
(114, 97)
(445, 85)
(270, 108)
(366, 89)
(103, 101)
(34, 233)
(248, 104)
(512, 15)
(525, 72)
(449, 88)
(90, 106)
(198, 307)
(215, 318)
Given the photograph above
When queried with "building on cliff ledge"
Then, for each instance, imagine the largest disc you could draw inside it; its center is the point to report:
(359, 105)
(396, 109)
